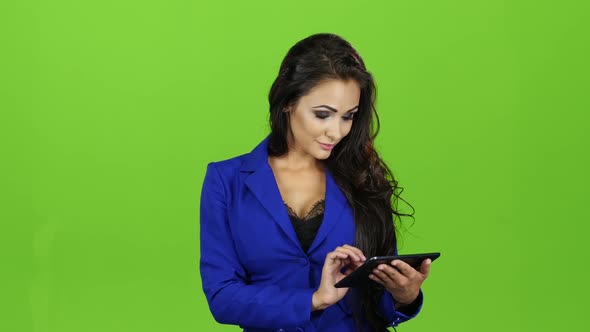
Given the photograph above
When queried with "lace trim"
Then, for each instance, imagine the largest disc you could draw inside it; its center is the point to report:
(316, 209)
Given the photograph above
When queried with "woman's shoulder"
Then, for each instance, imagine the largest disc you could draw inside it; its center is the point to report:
(247, 161)
(230, 165)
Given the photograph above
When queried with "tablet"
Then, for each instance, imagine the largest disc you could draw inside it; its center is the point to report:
(361, 274)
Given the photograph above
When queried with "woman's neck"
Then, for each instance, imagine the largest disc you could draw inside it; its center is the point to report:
(296, 161)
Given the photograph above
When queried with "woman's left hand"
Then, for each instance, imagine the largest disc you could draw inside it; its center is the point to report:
(401, 280)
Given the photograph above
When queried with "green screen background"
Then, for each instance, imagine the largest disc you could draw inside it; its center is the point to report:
(110, 111)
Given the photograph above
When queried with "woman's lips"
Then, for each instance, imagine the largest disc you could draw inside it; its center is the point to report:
(327, 147)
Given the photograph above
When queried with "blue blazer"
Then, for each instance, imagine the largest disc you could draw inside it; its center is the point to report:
(254, 271)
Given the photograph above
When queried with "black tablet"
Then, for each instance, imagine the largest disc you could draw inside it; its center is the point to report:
(361, 274)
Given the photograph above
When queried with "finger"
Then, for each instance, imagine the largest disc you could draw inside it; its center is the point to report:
(393, 274)
(345, 261)
(384, 279)
(403, 267)
(358, 263)
(349, 269)
(377, 279)
(425, 267)
(353, 265)
(349, 252)
(335, 261)
(356, 250)
(334, 255)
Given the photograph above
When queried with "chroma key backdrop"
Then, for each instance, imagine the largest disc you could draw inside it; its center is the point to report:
(111, 110)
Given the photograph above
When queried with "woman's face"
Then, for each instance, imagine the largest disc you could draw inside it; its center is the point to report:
(323, 117)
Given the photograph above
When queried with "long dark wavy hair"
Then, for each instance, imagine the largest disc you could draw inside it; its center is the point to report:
(361, 174)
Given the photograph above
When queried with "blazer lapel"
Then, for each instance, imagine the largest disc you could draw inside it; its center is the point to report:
(262, 184)
(335, 204)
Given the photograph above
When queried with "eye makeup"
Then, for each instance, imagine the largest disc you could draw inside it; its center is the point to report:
(322, 114)
(349, 116)
(326, 114)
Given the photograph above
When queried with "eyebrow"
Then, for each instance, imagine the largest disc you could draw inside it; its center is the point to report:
(335, 110)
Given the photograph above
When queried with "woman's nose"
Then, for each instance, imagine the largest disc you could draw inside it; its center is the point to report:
(334, 130)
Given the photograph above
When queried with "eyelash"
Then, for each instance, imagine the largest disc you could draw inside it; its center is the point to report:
(325, 115)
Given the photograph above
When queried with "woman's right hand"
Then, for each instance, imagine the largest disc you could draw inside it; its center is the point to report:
(344, 256)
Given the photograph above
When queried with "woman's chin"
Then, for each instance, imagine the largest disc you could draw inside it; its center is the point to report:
(322, 155)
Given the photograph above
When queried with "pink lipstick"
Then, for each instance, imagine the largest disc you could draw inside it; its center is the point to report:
(327, 147)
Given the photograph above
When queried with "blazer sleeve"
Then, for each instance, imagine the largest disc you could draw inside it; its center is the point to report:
(395, 317)
(231, 299)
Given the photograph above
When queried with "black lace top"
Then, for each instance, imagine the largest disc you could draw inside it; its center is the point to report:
(307, 227)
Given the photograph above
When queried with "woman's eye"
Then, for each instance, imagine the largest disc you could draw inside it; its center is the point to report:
(348, 117)
(325, 115)
(322, 115)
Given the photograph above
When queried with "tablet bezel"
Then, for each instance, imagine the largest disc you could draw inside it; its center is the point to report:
(361, 274)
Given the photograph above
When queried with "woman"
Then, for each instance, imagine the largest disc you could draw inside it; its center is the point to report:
(285, 222)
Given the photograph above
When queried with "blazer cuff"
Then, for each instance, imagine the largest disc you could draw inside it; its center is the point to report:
(395, 317)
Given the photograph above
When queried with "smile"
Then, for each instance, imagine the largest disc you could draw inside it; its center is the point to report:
(327, 147)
